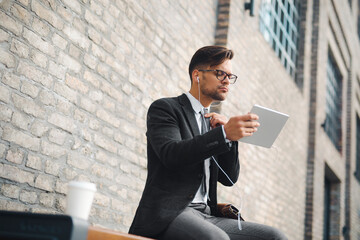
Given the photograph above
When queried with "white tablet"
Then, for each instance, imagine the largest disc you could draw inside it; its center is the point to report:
(271, 123)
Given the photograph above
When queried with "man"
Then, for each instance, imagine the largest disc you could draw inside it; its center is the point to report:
(179, 199)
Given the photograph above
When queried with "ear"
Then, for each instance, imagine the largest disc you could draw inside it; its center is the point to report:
(194, 76)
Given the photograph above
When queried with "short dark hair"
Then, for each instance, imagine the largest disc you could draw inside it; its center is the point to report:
(209, 56)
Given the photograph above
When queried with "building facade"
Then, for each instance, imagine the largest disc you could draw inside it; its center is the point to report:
(77, 77)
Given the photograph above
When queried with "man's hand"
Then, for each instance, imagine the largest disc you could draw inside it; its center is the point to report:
(216, 119)
(241, 126)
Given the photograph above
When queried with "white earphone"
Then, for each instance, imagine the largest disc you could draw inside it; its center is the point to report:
(239, 222)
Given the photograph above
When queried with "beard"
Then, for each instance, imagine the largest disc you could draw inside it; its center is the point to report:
(214, 94)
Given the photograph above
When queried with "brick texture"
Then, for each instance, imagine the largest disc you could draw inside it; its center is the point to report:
(77, 78)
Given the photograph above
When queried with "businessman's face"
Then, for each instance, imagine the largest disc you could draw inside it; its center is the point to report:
(211, 86)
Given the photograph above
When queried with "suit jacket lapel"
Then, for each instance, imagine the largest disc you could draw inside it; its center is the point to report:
(189, 114)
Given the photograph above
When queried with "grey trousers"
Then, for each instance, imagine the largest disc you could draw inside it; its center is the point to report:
(195, 222)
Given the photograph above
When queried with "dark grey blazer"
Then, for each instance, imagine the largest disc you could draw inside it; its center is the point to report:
(176, 154)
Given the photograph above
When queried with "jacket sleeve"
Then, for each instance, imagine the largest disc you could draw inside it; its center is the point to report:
(166, 133)
(229, 162)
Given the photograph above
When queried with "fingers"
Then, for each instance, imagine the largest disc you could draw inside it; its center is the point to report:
(248, 117)
(211, 114)
(216, 119)
(248, 120)
(237, 127)
(249, 130)
(250, 124)
(241, 126)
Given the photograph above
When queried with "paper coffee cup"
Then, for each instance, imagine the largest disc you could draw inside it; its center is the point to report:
(79, 199)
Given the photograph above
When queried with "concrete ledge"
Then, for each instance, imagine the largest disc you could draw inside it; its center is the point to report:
(96, 233)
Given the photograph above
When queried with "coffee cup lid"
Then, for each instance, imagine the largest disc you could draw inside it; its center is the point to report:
(88, 185)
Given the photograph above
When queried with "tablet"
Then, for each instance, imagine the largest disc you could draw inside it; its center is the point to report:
(271, 123)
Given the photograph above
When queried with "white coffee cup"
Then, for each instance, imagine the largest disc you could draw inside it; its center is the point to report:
(79, 199)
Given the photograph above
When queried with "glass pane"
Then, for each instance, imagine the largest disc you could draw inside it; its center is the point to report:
(267, 35)
(288, 9)
(275, 27)
(279, 26)
(333, 102)
(357, 147)
(287, 26)
(267, 18)
(274, 44)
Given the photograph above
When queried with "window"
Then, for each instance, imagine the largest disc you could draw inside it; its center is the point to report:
(327, 207)
(331, 224)
(333, 102)
(358, 20)
(357, 171)
(279, 24)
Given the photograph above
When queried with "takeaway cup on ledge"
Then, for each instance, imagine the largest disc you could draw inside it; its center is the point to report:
(79, 199)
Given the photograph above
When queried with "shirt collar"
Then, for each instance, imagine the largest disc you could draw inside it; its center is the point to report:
(196, 105)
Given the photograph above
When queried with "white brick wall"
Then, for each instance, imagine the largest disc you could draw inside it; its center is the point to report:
(76, 80)
(77, 77)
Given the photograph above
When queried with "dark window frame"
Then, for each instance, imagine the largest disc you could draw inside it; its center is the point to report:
(334, 102)
(357, 159)
(358, 20)
(280, 26)
(331, 201)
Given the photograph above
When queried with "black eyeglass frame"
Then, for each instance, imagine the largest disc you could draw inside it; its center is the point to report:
(232, 77)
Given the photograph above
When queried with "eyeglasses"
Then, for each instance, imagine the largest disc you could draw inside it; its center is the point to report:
(221, 75)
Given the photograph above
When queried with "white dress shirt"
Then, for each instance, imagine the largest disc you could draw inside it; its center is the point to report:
(197, 107)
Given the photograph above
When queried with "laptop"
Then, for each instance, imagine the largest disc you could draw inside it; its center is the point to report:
(271, 124)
